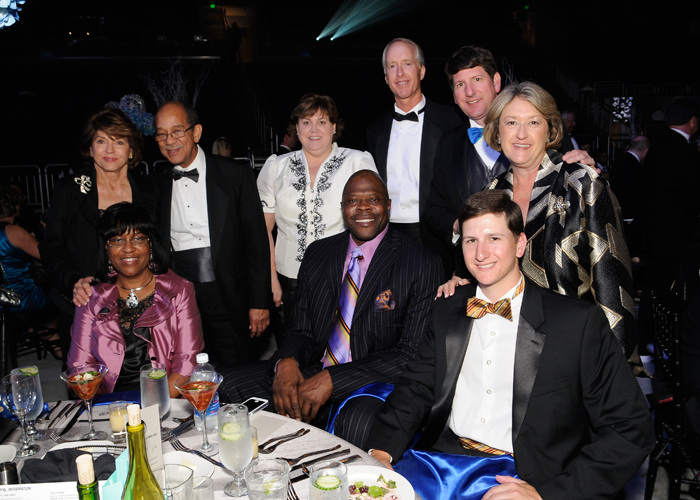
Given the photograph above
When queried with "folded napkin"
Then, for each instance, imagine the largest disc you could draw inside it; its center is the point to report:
(59, 466)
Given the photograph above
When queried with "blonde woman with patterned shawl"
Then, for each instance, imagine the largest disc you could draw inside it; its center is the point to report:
(575, 242)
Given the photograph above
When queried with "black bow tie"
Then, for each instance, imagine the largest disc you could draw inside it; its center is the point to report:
(412, 116)
(192, 174)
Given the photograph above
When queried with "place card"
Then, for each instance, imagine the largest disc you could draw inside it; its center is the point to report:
(47, 491)
(154, 447)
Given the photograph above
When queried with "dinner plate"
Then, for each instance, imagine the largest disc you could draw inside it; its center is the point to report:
(7, 453)
(368, 474)
(82, 444)
(200, 466)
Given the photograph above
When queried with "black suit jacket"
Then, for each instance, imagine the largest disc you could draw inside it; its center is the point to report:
(627, 182)
(70, 246)
(239, 244)
(382, 341)
(438, 120)
(672, 174)
(581, 427)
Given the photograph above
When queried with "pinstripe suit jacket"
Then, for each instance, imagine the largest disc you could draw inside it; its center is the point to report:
(382, 341)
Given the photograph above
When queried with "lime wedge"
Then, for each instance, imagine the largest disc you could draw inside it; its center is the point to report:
(157, 374)
(327, 483)
(267, 487)
(29, 370)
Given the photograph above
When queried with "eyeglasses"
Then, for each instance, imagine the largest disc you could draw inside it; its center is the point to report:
(176, 134)
(118, 242)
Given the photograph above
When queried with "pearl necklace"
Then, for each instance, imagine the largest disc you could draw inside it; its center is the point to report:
(132, 300)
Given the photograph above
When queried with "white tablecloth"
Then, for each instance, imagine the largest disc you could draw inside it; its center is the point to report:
(268, 425)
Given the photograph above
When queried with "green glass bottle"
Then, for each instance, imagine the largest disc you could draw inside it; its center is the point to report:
(140, 483)
(87, 484)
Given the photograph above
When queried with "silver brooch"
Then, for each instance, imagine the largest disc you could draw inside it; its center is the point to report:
(84, 182)
(560, 205)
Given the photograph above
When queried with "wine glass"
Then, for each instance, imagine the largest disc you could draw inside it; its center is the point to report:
(38, 407)
(84, 380)
(200, 393)
(236, 446)
(18, 393)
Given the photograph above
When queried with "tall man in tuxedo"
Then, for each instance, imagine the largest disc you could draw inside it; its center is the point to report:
(213, 230)
(403, 142)
(672, 173)
(525, 371)
(464, 163)
(397, 282)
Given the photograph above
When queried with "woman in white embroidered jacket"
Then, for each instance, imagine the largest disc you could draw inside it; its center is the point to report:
(301, 191)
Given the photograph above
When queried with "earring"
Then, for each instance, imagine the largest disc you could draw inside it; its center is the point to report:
(131, 156)
(151, 263)
(498, 141)
(110, 270)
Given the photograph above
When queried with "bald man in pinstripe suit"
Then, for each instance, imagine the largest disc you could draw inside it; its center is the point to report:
(398, 282)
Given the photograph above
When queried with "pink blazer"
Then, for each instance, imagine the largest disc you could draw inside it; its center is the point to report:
(173, 319)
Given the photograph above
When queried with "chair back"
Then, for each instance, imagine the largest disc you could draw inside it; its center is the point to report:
(667, 348)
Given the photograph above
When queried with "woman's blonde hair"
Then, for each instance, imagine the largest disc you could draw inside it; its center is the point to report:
(535, 95)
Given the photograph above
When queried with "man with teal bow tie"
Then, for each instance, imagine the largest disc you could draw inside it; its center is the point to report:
(516, 392)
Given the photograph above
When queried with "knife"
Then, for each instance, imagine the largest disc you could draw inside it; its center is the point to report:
(72, 421)
(321, 459)
(166, 434)
(347, 460)
(58, 403)
(58, 417)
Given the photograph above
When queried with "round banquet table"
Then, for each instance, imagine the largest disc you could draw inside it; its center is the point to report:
(268, 424)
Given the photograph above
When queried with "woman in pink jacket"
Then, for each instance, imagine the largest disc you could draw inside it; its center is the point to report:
(141, 311)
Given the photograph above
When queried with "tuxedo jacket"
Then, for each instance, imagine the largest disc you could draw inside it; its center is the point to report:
(581, 427)
(627, 182)
(672, 174)
(438, 120)
(240, 247)
(385, 333)
(70, 246)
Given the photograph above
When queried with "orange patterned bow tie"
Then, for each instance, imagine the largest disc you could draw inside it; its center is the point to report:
(478, 308)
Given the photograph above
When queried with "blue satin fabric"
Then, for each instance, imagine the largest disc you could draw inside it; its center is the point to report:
(377, 390)
(441, 476)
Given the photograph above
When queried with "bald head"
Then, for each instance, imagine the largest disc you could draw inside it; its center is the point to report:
(366, 206)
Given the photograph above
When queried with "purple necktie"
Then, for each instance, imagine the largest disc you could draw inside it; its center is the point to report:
(338, 348)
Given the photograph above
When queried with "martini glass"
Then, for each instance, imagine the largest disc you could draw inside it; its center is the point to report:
(200, 393)
(18, 395)
(84, 381)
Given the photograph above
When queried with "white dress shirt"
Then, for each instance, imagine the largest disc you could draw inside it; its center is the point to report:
(487, 155)
(482, 408)
(306, 213)
(403, 166)
(189, 216)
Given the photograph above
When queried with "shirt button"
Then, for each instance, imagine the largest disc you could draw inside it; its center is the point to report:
(493, 334)
(483, 420)
(488, 362)
(488, 391)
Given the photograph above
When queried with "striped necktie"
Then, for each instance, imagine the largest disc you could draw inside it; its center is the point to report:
(338, 348)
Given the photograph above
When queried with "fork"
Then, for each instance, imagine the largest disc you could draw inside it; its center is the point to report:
(294, 461)
(291, 494)
(175, 442)
(57, 439)
(272, 448)
(293, 434)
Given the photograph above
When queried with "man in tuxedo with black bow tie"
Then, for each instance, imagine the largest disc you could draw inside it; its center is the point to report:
(510, 370)
(213, 230)
(403, 142)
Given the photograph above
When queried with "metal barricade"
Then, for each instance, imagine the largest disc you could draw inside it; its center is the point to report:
(52, 173)
(29, 179)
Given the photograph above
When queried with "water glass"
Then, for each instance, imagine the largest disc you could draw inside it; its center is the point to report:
(235, 445)
(117, 412)
(203, 488)
(38, 405)
(328, 481)
(18, 394)
(175, 481)
(154, 387)
(267, 479)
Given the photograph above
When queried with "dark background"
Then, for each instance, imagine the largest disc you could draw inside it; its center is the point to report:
(54, 75)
